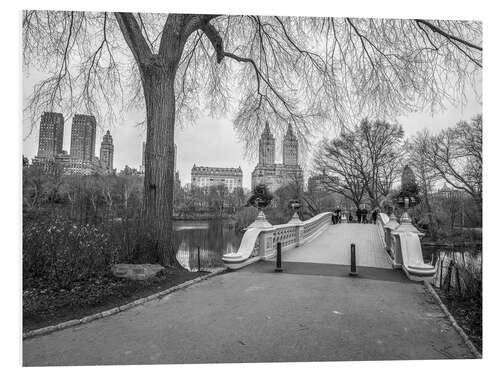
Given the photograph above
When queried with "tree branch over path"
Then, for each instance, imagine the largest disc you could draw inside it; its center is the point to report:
(447, 35)
(218, 45)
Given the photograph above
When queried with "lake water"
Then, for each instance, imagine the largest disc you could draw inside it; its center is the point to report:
(214, 238)
(468, 260)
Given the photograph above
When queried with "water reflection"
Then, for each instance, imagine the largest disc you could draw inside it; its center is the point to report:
(468, 260)
(431, 252)
(214, 238)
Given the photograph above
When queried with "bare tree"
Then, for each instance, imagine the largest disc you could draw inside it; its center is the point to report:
(426, 176)
(303, 71)
(456, 155)
(339, 163)
(380, 150)
(366, 160)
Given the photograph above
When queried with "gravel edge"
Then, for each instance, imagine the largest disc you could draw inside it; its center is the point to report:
(115, 310)
(454, 323)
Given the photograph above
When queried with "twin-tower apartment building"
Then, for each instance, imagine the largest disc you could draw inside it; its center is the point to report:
(81, 158)
(267, 171)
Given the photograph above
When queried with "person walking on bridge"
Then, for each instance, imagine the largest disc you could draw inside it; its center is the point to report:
(358, 214)
(364, 214)
(338, 215)
(374, 215)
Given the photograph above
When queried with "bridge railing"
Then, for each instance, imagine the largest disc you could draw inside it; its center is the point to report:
(402, 244)
(261, 243)
(382, 220)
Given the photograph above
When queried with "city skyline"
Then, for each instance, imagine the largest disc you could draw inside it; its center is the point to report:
(128, 140)
(81, 158)
(202, 143)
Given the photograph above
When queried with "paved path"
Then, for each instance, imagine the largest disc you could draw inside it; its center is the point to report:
(307, 313)
(333, 246)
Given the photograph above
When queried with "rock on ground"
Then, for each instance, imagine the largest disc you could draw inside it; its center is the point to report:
(136, 271)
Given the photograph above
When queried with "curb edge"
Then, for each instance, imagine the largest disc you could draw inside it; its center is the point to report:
(117, 309)
(454, 323)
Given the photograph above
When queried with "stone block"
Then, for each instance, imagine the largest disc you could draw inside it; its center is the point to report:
(136, 271)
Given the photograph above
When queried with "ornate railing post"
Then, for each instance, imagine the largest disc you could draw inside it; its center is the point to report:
(267, 244)
(408, 197)
(388, 228)
(300, 235)
(260, 199)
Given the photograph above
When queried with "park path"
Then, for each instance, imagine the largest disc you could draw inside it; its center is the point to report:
(310, 312)
(334, 244)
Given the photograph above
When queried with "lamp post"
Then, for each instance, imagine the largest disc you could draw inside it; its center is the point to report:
(260, 221)
(295, 206)
(408, 197)
(260, 199)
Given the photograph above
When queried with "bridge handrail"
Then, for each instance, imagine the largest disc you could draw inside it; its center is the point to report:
(404, 248)
(382, 220)
(260, 243)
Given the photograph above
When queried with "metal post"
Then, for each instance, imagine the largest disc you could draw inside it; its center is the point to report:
(278, 258)
(457, 278)
(199, 263)
(449, 275)
(441, 273)
(354, 271)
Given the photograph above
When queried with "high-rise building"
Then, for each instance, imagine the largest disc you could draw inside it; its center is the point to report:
(209, 176)
(81, 160)
(276, 175)
(50, 141)
(106, 153)
(266, 147)
(83, 132)
(290, 148)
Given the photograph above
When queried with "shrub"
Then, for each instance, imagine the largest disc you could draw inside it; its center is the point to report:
(59, 252)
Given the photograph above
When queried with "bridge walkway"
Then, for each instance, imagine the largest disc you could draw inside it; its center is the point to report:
(334, 244)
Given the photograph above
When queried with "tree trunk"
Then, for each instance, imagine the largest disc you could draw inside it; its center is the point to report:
(159, 94)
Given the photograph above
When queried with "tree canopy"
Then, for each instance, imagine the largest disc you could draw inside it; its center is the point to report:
(310, 72)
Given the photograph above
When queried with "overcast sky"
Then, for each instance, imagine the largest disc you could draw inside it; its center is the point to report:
(212, 142)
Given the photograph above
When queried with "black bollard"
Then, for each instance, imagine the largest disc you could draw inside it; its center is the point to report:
(278, 258)
(354, 271)
(199, 263)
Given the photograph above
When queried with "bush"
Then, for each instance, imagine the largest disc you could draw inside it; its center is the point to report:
(59, 252)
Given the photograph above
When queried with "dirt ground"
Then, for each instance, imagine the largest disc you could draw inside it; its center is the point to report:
(43, 306)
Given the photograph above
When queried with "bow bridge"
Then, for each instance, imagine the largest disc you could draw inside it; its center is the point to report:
(310, 312)
(387, 244)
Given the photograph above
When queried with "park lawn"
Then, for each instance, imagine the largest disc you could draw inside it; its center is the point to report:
(45, 306)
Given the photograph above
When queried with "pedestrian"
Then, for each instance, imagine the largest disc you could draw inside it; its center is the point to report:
(350, 217)
(338, 212)
(374, 216)
(364, 213)
(334, 215)
(358, 214)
